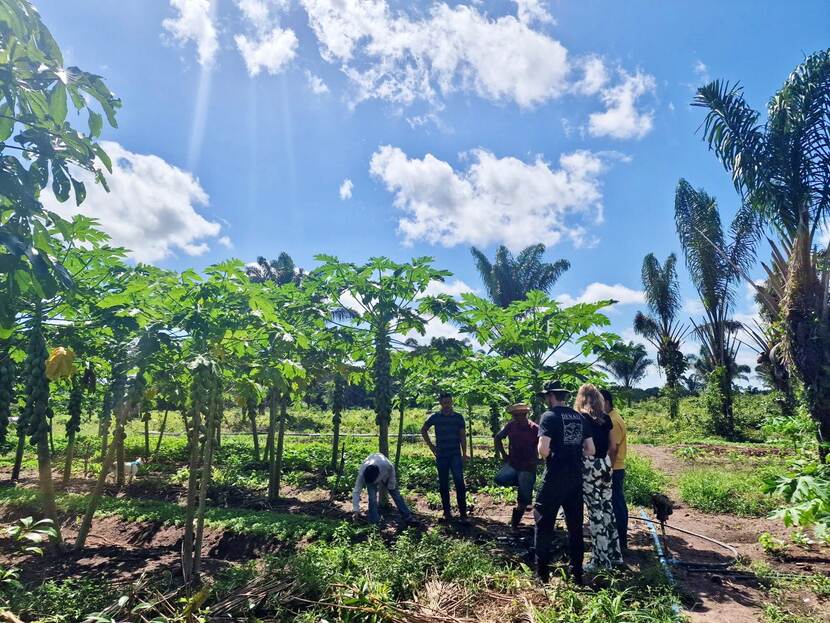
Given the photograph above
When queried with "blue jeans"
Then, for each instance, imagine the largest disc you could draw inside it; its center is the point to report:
(446, 465)
(509, 476)
(374, 514)
(620, 507)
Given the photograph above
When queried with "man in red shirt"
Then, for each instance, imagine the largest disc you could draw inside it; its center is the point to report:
(520, 462)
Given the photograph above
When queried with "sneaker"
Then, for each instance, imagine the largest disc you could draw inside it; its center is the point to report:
(464, 520)
(447, 518)
(590, 568)
(516, 518)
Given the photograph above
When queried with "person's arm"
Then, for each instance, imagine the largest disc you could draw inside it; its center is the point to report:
(358, 488)
(498, 439)
(463, 433)
(588, 447)
(543, 447)
(612, 446)
(425, 435)
(615, 438)
(392, 481)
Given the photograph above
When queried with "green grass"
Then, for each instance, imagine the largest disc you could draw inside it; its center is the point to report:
(268, 524)
(715, 490)
(642, 480)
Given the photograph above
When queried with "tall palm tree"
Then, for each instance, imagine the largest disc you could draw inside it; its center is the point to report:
(714, 274)
(628, 363)
(661, 327)
(781, 169)
(281, 270)
(509, 278)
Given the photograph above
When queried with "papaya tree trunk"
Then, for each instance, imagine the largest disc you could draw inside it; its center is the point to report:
(118, 441)
(272, 428)
(254, 432)
(276, 465)
(495, 427)
(67, 466)
(470, 428)
(106, 468)
(204, 484)
(336, 418)
(147, 438)
(47, 486)
(401, 410)
(161, 432)
(18, 455)
(190, 504)
(383, 387)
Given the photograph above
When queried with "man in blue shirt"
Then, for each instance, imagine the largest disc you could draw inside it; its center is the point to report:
(450, 450)
(564, 436)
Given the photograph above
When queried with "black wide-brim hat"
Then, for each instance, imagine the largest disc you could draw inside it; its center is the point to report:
(553, 387)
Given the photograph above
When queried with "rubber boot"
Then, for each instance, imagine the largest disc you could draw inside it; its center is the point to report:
(516, 518)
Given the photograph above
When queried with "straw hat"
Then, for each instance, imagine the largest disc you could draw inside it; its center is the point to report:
(518, 407)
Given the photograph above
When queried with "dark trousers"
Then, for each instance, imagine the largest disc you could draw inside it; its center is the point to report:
(620, 507)
(446, 465)
(553, 496)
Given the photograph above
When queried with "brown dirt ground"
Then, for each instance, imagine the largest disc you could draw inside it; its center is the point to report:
(723, 596)
(124, 551)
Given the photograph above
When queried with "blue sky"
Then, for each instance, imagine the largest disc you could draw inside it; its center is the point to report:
(401, 128)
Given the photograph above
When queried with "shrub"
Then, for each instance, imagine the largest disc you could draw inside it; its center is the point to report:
(59, 601)
(641, 480)
(718, 491)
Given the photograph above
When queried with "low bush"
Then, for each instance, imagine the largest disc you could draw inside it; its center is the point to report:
(62, 601)
(718, 491)
(642, 480)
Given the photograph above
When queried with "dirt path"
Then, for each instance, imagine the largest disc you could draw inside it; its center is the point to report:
(727, 596)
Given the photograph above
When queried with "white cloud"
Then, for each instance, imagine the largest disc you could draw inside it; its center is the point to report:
(151, 208)
(454, 288)
(225, 241)
(496, 200)
(529, 11)
(195, 22)
(594, 76)
(316, 84)
(346, 189)
(401, 59)
(272, 51)
(621, 118)
(269, 48)
(701, 71)
(602, 291)
(693, 306)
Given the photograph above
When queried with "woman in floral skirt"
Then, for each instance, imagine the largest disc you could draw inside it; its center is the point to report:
(596, 482)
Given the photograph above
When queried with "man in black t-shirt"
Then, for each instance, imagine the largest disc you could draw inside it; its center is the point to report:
(564, 436)
(450, 450)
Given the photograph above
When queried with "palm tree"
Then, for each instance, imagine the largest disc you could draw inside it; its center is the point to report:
(628, 363)
(661, 328)
(280, 271)
(509, 279)
(781, 169)
(714, 275)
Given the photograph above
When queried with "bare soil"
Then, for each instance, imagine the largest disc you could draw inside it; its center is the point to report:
(124, 551)
(729, 596)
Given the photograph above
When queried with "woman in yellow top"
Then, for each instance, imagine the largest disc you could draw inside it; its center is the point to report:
(618, 433)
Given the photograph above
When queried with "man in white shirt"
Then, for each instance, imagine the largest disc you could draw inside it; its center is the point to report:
(377, 472)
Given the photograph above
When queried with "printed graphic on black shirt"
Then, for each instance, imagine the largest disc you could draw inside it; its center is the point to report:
(572, 430)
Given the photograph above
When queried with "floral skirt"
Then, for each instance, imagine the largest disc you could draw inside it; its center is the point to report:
(596, 488)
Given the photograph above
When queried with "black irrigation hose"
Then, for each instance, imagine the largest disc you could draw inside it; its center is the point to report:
(695, 566)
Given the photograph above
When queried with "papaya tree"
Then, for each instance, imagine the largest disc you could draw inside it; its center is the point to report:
(384, 300)
(539, 338)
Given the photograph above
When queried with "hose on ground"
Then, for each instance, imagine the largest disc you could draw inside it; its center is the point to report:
(693, 565)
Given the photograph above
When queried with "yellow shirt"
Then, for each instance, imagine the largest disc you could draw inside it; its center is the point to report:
(619, 435)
